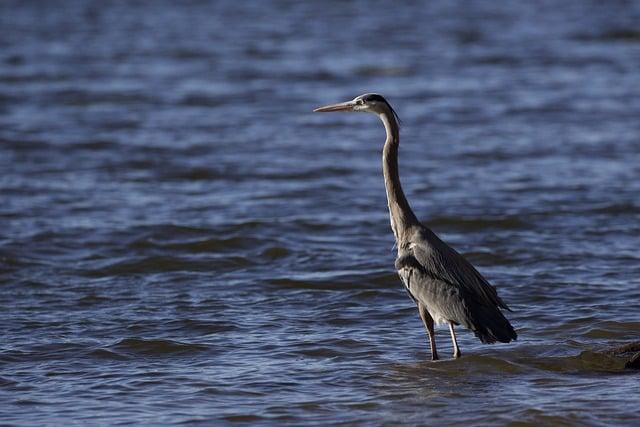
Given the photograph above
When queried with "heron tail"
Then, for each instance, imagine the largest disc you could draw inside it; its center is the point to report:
(493, 326)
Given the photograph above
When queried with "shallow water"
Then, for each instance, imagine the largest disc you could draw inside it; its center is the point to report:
(183, 242)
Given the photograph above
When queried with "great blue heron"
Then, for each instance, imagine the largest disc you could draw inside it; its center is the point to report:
(444, 285)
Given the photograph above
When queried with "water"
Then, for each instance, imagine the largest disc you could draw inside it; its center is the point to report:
(184, 242)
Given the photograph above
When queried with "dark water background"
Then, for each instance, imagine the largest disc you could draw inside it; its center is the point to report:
(182, 241)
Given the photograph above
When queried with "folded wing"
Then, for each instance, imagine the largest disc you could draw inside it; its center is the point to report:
(452, 289)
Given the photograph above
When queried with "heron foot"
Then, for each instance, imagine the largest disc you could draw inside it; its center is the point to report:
(434, 357)
(457, 354)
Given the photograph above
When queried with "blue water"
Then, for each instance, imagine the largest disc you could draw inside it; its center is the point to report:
(183, 242)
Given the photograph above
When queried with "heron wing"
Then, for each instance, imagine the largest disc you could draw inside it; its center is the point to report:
(451, 288)
(444, 301)
(445, 263)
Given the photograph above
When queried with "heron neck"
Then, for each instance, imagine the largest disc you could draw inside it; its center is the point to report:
(400, 213)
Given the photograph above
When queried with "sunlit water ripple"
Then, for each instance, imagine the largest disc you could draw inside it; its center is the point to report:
(183, 242)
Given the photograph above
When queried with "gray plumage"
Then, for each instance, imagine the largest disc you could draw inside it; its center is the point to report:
(443, 284)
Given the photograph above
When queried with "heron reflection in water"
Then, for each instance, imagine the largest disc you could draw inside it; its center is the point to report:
(445, 286)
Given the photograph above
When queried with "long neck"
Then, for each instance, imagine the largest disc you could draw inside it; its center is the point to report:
(402, 217)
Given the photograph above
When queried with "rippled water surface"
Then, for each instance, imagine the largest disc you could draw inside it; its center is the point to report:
(182, 241)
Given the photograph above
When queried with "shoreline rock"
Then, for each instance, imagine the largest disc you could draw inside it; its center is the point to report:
(630, 351)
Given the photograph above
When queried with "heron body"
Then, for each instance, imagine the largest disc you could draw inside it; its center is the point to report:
(445, 286)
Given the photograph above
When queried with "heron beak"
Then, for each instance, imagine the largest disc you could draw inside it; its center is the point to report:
(342, 106)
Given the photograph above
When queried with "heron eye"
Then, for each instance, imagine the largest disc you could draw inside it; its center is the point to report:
(360, 101)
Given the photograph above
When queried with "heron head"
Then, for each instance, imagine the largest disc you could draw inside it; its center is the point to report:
(367, 103)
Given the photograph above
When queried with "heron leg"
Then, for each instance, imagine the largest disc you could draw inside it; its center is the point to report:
(456, 349)
(428, 324)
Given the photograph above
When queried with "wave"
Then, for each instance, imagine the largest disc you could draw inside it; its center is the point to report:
(154, 347)
(472, 224)
(166, 264)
